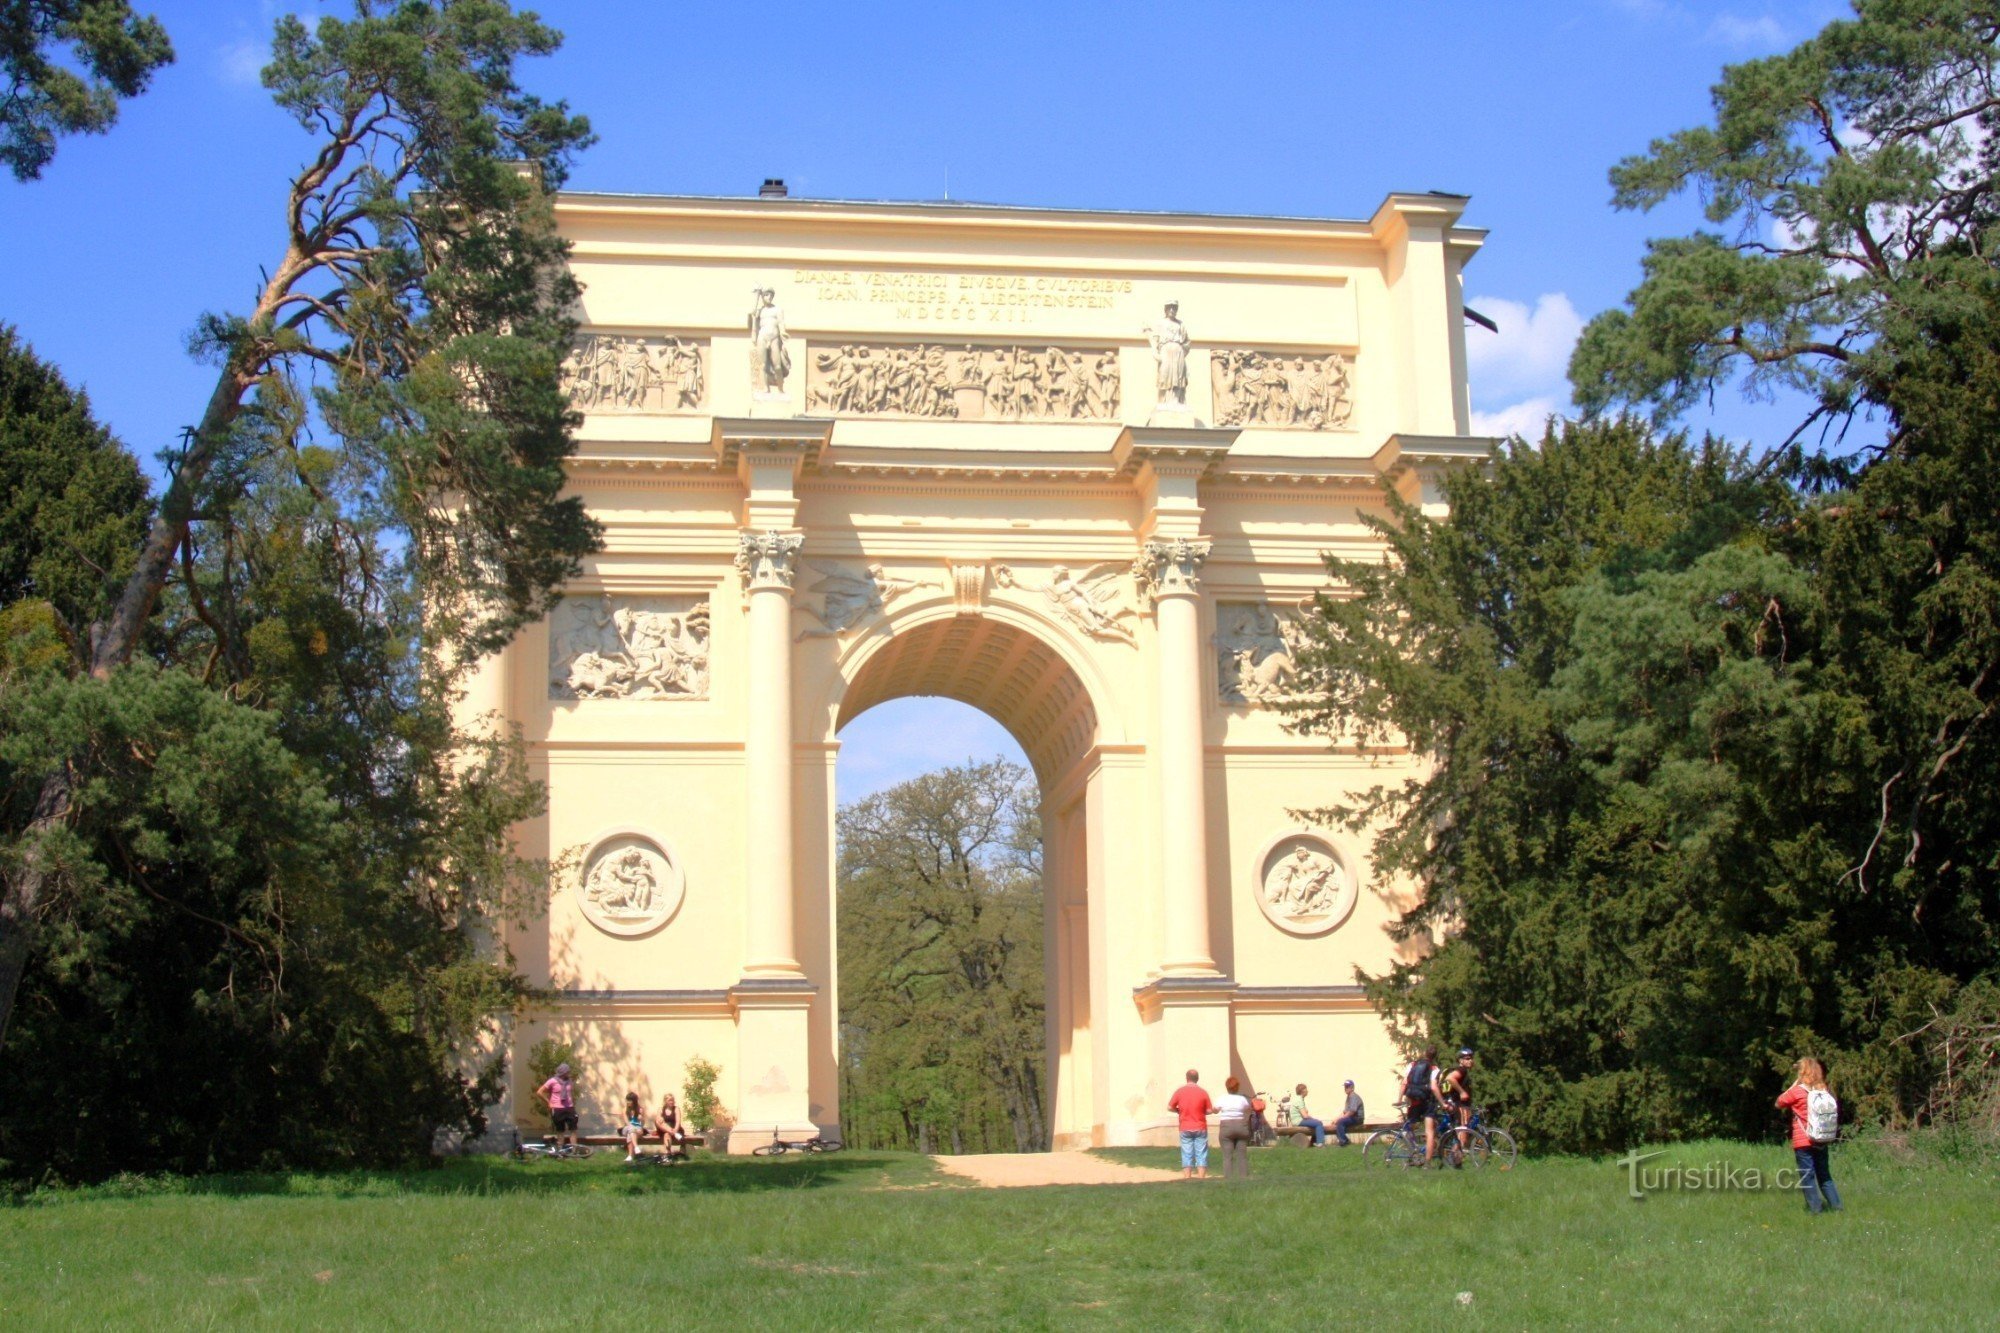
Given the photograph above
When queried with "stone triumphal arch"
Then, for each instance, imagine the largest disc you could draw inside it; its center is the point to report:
(1076, 469)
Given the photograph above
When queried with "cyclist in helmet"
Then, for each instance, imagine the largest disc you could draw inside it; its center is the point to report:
(1456, 1085)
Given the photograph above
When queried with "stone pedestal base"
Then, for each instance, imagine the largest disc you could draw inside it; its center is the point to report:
(1176, 415)
(1190, 1022)
(773, 1057)
(766, 405)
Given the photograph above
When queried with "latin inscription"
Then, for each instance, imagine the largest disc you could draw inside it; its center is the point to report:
(963, 298)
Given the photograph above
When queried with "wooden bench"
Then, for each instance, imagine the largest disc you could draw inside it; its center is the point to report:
(609, 1140)
(618, 1140)
(1302, 1136)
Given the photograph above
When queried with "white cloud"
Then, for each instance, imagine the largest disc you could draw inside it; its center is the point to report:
(1525, 418)
(1530, 353)
(241, 63)
(1762, 33)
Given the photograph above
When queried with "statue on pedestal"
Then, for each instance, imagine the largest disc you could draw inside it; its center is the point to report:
(1169, 339)
(770, 363)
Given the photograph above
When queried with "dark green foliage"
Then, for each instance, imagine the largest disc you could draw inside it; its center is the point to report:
(262, 939)
(250, 860)
(72, 500)
(1546, 647)
(223, 979)
(1715, 745)
(941, 984)
(65, 64)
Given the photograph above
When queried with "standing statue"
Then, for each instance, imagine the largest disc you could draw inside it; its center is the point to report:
(770, 363)
(1170, 348)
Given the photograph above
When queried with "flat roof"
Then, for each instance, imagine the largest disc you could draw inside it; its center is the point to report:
(1399, 202)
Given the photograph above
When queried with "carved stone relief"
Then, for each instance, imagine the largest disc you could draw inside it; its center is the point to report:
(607, 372)
(1303, 886)
(1167, 568)
(969, 383)
(768, 559)
(1088, 600)
(1288, 390)
(629, 648)
(630, 884)
(1254, 647)
(968, 588)
(849, 599)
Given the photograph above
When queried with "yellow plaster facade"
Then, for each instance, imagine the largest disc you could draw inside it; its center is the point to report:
(845, 453)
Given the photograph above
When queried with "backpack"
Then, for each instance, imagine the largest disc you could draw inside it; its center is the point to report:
(1822, 1116)
(1418, 1084)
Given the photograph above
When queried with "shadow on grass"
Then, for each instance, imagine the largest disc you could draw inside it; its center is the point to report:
(604, 1175)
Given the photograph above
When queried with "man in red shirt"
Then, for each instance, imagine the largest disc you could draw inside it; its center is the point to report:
(1190, 1102)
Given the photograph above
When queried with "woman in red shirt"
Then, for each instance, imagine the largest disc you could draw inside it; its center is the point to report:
(1815, 1173)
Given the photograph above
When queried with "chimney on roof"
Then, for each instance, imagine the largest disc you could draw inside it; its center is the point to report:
(772, 188)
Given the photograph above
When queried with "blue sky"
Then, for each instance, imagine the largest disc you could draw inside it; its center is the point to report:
(1306, 109)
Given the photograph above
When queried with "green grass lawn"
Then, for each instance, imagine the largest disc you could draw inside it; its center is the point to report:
(879, 1240)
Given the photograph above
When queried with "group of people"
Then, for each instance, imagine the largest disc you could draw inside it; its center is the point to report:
(1432, 1094)
(1237, 1118)
(558, 1094)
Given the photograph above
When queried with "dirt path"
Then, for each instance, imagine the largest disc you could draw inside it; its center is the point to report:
(1008, 1169)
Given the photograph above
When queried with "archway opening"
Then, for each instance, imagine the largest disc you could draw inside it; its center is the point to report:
(960, 958)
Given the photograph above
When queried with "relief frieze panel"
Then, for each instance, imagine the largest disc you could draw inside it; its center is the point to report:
(963, 383)
(1254, 654)
(1286, 390)
(629, 648)
(608, 372)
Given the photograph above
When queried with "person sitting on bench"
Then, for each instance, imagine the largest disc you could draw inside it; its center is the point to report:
(667, 1124)
(634, 1126)
(1350, 1117)
(1301, 1116)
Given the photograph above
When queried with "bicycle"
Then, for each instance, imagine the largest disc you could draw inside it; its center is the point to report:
(558, 1152)
(1499, 1144)
(1466, 1145)
(779, 1147)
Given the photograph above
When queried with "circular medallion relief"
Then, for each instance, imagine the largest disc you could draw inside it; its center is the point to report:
(1304, 886)
(630, 885)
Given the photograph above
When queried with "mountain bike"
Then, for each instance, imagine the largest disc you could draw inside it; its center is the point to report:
(1456, 1146)
(557, 1152)
(779, 1147)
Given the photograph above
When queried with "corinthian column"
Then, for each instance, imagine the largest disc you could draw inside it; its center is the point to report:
(1169, 571)
(765, 560)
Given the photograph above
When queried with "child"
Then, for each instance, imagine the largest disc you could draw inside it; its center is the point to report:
(635, 1125)
(1815, 1122)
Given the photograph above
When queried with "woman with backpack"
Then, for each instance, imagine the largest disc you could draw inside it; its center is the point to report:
(1420, 1091)
(1815, 1124)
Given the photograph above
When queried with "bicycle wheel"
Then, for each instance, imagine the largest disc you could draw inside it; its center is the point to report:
(1474, 1151)
(581, 1151)
(769, 1150)
(828, 1145)
(1376, 1145)
(1504, 1148)
(1405, 1150)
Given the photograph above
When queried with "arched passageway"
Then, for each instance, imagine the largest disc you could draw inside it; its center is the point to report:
(1022, 682)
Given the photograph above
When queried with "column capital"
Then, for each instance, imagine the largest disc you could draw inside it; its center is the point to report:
(767, 558)
(1170, 568)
